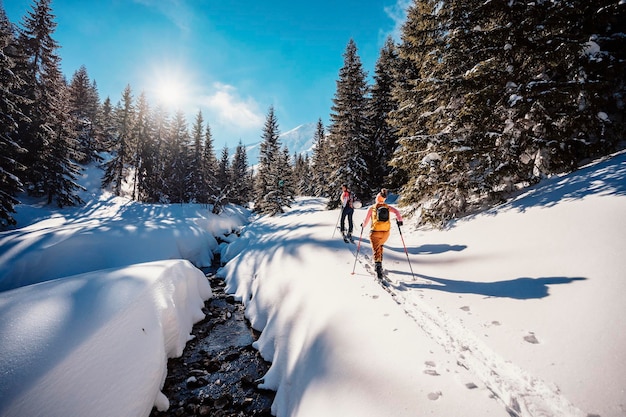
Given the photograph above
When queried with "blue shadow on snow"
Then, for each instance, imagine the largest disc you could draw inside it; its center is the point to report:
(523, 288)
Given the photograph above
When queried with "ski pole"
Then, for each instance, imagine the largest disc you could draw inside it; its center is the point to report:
(406, 251)
(358, 247)
(337, 225)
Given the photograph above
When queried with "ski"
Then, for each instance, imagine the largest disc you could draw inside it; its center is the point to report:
(383, 278)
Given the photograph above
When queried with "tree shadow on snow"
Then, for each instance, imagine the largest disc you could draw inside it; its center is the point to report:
(524, 288)
(607, 177)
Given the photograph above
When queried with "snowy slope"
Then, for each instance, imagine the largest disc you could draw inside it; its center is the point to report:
(515, 311)
(525, 301)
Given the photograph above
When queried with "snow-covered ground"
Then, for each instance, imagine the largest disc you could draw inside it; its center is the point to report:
(515, 311)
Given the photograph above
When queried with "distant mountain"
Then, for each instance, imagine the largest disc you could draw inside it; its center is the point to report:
(298, 140)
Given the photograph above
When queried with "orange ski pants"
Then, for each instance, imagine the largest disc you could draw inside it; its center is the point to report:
(378, 239)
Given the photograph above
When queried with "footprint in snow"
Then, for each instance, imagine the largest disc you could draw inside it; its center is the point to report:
(531, 338)
(434, 396)
(431, 371)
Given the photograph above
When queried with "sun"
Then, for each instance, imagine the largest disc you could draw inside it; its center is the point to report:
(170, 86)
(170, 92)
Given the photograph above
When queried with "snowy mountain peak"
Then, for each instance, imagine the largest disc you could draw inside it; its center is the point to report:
(298, 140)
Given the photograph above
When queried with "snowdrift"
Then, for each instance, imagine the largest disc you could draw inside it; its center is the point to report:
(111, 232)
(97, 344)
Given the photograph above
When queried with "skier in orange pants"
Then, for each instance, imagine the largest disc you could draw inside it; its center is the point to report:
(381, 226)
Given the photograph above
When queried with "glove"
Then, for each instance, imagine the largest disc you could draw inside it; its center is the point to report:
(400, 222)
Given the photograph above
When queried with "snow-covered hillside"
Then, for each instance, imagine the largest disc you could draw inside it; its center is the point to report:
(515, 311)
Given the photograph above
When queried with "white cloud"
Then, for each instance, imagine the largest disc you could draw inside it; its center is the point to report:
(231, 109)
(397, 13)
(175, 10)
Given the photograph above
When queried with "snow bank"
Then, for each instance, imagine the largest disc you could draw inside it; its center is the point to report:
(111, 232)
(97, 344)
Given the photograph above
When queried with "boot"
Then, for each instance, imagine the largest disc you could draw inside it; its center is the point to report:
(379, 270)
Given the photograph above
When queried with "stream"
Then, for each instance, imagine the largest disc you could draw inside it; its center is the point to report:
(219, 371)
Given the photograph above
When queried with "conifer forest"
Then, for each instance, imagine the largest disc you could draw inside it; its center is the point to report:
(474, 101)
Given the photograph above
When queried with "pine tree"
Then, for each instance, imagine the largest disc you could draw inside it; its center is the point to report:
(107, 122)
(223, 172)
(382, 103)
(62, 170)
(10, 116)
(269, 180)
(241, 177)
(223, 187)
(302, 176)
(178, 160)
(320, 163)
(496, 94)
(154, 184)
(141, 147)
(84, 108)
(49, 134)
(210, 167)
(349, 145)
(286, 190)
(123, 119)
(197, 180)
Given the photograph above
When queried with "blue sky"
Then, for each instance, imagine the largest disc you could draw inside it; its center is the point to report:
(231, 59)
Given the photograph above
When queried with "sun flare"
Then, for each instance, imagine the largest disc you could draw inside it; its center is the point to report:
(170, 86)
(170, 92)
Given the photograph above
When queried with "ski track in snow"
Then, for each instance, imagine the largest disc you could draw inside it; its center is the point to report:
(522, 394)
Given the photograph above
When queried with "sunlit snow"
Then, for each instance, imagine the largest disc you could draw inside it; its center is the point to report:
(514, 311)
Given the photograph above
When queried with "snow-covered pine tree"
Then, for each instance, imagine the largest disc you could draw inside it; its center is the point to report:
(349, 146)
(115, 169)
(286, 190)
(492, 94)
(241, 177)
(209, 167)
(554, 100)
(61, 154)
(268, 198)
(178, 160)
(320, 171)
(140, 147)
(48, 135)
(107, 122)
(196, 185)
(381, 104)
(302, 175)
(469, 84)
(151, 179)
(84, 108)
(10, 116)
(223, 172)
(223, 187)
(603, 76)
(422, 101)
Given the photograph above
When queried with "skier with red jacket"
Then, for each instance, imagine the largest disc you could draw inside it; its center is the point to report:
(347, 211)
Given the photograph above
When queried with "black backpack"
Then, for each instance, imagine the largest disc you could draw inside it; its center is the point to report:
(382, 214)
